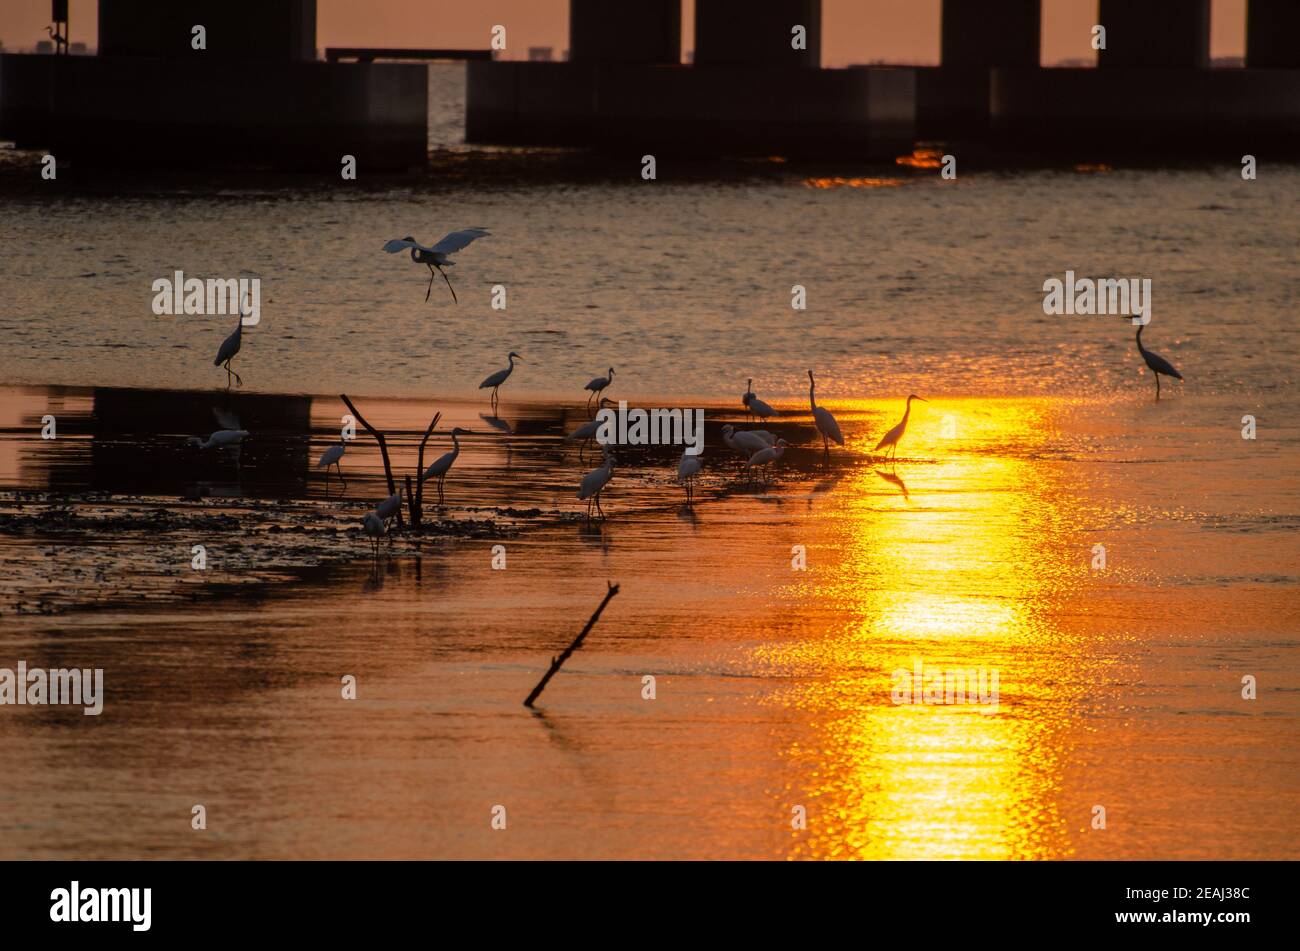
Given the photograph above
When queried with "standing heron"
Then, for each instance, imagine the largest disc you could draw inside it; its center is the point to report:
(437, 256)
(765, 457)
(442, 465)
(823, 419)
(892, 437)
(687, 470)
(754, 406)
(374, 528)
(331, 457)
(594, 482)
(1157, 363)
(227, 351)
(588, 430)
(747, 441)
(388, 508)
(496, 379)
(597, 386)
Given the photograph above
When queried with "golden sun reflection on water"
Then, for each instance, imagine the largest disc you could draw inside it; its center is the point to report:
(951, 564)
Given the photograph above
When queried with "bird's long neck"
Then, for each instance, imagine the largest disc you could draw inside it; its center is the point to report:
(455, 445)
(812, 398)
(907, 412)
(1141, 349)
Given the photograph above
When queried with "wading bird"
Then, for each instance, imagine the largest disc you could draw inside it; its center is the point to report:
(597, 386)
(594, 482)
(687, 470)
(747, 441)
(587, 431)
(331, 457)
(765, 457)
(374, 527)
(220, 439)
(754, 405)
(892, 437)
(389, 507)
(229, 347)
(436, 257)
(1157, 363)
(496, 379)
(823, 419)
(439, 468)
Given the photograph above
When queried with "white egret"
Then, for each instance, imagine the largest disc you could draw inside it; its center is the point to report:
(1157, 363)
(597, 386)
(331, 457)
(687, 470)
(594, 482)
(437, 255)
(754, 405)
(892, 437)
(747, 441)
(823, 419)
(374, 527)
(227, 351)
(220, 439)
(766, 456)
(439, 468)
(496, 379)
(587, 431)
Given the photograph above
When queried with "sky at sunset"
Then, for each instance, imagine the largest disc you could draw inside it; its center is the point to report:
(854, 31)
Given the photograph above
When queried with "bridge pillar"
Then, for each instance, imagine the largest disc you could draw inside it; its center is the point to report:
(749, 33)
(1164, 33)
(991, 32)
(1273, 34)
(647, 31)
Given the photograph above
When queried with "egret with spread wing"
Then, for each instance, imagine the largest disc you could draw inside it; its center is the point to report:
(438, 256)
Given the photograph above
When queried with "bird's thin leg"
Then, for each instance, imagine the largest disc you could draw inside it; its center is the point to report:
(341, 479)
(449, 287)
(429, 289)
(589, 399)
(1157, 376)
(440, 492)
(598, 508)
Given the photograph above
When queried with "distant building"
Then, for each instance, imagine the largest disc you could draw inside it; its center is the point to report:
(45, 46)
(78, 49)
(541, 54)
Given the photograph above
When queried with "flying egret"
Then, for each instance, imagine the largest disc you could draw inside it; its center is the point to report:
(597, 386)
(892, 437)
(587, 431)
(438, 255)
(331, 457)
(439, 468)
(823, 419)
(764, 457)
(374, 527)
(754, 405)
(496, 379)
(687, 470)
(594, 482)
(1157, 363)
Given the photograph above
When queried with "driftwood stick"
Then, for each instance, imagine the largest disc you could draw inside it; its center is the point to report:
(383, 449)
(417, 511)
(577, 642)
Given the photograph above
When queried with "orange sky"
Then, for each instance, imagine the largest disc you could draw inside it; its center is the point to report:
(854, 31)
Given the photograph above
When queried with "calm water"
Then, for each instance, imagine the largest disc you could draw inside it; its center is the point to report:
(1119, 687)
(682, 284)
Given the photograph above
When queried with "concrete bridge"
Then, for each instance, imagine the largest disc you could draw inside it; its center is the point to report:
(750, 90)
